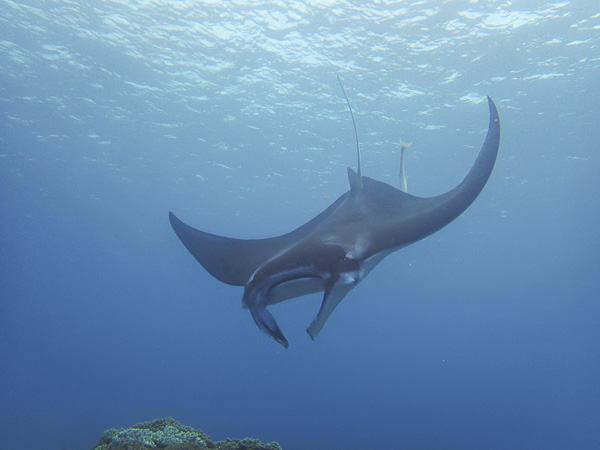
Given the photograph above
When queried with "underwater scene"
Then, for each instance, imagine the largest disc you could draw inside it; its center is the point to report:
(307, 225)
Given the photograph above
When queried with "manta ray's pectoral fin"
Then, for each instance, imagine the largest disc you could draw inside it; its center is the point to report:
(331, 298)
(266, 322)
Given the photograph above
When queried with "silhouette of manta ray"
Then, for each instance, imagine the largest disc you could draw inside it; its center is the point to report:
(336, 250)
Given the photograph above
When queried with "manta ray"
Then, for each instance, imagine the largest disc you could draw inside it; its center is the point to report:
(338, 248)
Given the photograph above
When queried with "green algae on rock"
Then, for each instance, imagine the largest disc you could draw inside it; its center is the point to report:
(169, 434)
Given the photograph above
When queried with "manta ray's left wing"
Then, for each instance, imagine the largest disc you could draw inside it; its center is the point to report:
(233, 261)
(229, 260)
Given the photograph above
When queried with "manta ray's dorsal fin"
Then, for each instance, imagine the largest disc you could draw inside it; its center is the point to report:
(356, 178)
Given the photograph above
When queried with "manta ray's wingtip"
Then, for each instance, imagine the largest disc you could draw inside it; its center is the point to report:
(176, 223)
(494, 115)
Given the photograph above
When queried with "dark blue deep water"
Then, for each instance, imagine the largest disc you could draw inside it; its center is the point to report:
(112, 113)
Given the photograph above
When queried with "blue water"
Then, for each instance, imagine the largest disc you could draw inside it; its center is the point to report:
(484, 335)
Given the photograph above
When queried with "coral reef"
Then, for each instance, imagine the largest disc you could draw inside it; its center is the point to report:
(169, 434)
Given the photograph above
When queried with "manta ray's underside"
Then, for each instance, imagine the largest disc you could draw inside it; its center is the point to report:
(336, 250)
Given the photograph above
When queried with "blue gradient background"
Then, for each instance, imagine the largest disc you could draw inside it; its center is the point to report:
(485, 335)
